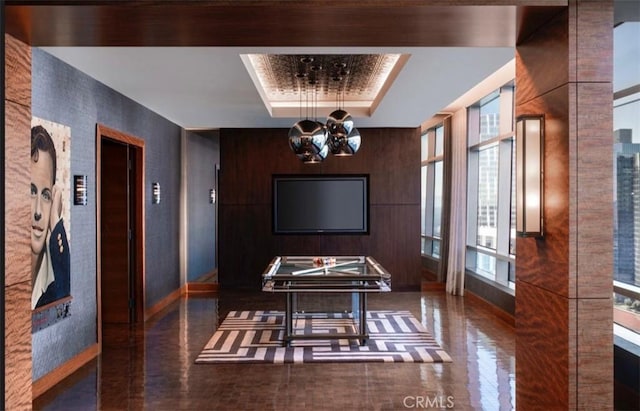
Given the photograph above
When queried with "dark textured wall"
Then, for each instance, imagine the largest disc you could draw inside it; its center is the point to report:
(64, 95)
(204, 155)
(626, 371)
(249, 158)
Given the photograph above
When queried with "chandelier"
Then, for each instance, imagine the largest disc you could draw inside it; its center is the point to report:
(312, 140)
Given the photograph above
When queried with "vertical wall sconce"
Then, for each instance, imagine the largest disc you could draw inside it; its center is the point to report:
(155, 191)
(530, 175)
(212, 196)
(80, 190)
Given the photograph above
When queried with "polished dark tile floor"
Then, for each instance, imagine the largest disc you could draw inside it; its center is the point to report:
(152, 367)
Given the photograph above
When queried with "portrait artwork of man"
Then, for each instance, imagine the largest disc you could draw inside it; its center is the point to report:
(50, 189)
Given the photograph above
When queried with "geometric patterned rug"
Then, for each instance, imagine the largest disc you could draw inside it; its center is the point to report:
(256, 337)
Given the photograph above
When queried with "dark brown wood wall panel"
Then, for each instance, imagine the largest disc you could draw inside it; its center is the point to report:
(542, 62)
(17, 235)
(17, 73)
(542, 344)
(257, 23)
(594, 191)
(564, 287)
(594, 43)
(594, 359)
(394, 163)
(244, 234)
(18, 346)
(554, 250)
(330, 244)
(249, 158)
(17, 200)
(397, 228)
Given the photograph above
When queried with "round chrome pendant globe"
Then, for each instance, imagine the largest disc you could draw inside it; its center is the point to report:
(308, 140)
(339, 123)
(345, 145)
(310, 158)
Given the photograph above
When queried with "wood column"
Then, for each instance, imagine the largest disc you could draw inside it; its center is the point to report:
(564, 313)
(17, 234)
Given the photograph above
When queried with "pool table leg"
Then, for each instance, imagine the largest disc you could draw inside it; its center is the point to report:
(363, 318)
(288, 321)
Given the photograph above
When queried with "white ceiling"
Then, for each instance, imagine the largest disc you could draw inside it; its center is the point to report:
(210, 88)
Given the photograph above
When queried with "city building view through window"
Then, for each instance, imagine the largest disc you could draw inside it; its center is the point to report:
(490, 138)
(626, 187)
(432, 186)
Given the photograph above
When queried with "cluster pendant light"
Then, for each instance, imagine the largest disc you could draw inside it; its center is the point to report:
(308, 139)
(344, 138)
(311, 140)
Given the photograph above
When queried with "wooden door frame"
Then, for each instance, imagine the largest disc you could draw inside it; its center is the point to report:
(103, 131)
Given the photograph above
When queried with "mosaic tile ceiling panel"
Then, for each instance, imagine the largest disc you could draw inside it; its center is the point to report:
(354, 80)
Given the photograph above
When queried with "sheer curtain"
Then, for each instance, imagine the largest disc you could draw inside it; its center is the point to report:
(458, 210)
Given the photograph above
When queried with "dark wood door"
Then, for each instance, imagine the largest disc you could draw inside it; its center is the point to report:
(116, 258)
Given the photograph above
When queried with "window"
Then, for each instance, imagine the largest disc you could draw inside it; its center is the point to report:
(491, 187)
(432, 190)
(487, 222)
(626, 198)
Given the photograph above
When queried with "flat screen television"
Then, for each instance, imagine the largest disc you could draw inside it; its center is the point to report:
(321, 204)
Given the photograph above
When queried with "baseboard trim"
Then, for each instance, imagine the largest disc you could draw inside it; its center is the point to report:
(503, 315)
(48, 381)
(432, 286)
(199, 288)
(210, 277)
(162, 304)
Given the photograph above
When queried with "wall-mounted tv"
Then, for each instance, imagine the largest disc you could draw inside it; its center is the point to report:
(321, 204)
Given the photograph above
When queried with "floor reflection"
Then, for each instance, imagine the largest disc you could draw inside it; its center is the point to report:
(152, 366)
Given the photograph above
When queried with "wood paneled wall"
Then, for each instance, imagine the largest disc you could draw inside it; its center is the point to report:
(249, 158)
(17, 235)
(564, 282)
